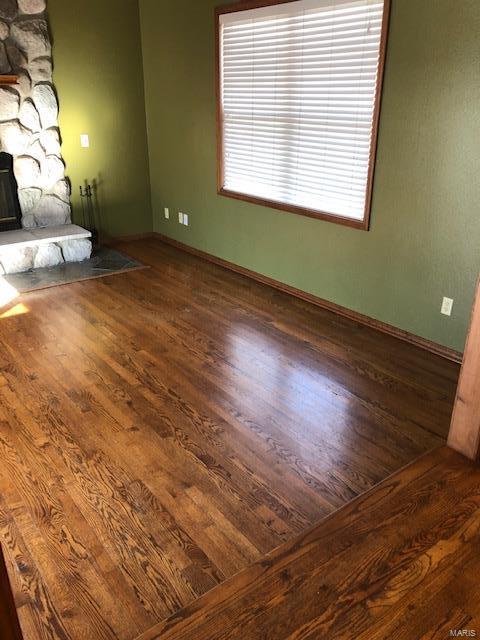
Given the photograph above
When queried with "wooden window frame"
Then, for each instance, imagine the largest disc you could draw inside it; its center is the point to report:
(245, 5)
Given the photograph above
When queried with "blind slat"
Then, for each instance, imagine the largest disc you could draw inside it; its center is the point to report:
(314, 41)
(304, 186)
(352, 169)
(312, 27)
(311, 67)
(310, 178)
(347, 208)
(328, 165)
(319, 147)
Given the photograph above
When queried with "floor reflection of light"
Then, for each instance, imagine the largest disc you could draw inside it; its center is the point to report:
(8, 293)
(18, 310)
(303, 410)
(289, 382)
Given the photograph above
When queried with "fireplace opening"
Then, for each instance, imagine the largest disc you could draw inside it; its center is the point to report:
(10, 212)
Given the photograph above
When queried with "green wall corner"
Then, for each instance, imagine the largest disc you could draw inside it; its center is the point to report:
(98, 75)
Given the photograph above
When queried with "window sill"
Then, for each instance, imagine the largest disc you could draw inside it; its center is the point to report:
(310, 213)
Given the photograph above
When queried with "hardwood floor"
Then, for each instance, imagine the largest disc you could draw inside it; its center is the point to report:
(400, 562)
(163, 429)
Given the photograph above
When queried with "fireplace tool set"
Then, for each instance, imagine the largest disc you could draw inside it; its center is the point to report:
(88, 211)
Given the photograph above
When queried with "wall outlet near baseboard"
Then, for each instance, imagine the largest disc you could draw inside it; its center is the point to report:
(183, 218)
(167, 213)
(447, 306)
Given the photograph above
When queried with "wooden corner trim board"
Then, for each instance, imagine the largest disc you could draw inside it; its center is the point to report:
(464, 433)
(383, 327)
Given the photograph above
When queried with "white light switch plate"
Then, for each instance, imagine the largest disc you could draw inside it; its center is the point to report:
(85, 140)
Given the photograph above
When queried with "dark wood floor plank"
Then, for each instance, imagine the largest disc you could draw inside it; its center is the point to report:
(386, 565)
(318, 454)
(278, 306)
(100, 486)
(9, 623)
(163, 429)
(48, 509)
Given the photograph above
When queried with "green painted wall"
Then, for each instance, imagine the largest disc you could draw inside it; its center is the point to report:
(99, 78)
(424, 241)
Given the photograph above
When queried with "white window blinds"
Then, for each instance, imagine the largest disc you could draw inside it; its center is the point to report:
(298, 92)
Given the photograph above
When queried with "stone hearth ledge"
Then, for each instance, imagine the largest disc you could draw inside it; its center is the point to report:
(27, 249)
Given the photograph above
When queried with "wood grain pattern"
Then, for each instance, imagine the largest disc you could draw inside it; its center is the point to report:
(387, 565)
(464, 433)
(163, 429)
(401, 334)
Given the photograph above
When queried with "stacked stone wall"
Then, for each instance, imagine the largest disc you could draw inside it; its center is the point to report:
(29, 114)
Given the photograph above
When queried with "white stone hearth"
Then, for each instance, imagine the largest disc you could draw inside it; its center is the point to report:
(35, 248)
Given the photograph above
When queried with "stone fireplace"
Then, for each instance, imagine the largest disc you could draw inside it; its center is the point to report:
(30, 143)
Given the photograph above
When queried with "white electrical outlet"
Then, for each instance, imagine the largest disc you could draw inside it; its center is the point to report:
(185, 219)
(85, 141)
(180, 217)
(167, 213)
(447, 306)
